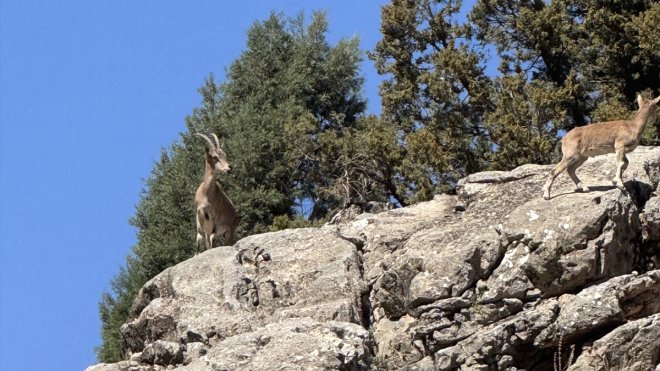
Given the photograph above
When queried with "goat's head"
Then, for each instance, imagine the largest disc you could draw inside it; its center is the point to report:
(215, 156)
(650, 104)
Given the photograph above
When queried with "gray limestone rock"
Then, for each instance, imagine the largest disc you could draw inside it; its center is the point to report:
(632, 346)
(494, 277)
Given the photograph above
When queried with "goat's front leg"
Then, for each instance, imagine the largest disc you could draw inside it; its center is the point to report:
(199, 242)
(561, 166)
(621, 165)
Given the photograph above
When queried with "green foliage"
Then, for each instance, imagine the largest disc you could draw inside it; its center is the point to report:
(276, 108)
(564, 63)
(540, 39)
(280, 99)
(113, 312)
(531, 140)
(435, 96)
(647, 25)
(359, 164)
(610, 37)
(291, 116)
(605, 46)
(165, 222)
(281, 222)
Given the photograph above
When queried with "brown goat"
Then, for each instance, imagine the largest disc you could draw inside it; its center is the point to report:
(215, 213)
(597, 139)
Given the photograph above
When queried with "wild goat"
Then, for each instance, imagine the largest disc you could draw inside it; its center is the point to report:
(597, 139)
(215, 213)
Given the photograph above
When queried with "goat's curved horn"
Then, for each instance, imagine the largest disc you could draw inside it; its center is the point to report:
(206, 139)
(217, 141)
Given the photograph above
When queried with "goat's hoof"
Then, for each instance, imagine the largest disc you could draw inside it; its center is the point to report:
(546, 197)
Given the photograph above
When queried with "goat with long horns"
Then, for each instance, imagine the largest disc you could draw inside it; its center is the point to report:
(215, 213)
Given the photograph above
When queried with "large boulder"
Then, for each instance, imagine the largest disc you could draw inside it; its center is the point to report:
(494, 277)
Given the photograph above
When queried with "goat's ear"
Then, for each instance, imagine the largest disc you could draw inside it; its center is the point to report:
(656, 100)
(640, 100)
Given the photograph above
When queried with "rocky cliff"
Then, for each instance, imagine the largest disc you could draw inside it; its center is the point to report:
(492, 278)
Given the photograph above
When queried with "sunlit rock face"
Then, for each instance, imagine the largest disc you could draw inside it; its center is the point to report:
(493, 277)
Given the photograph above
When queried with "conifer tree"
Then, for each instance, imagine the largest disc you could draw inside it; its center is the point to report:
(279, 99)
(435, 94)
(165, 224)
(598, 51)
(524, 123)
(563, 63)
(291, 115)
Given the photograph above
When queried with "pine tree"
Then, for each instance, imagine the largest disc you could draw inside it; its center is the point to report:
(524, 124)
(277, 103)
(601, 51)
(563, 63)
(280, 98)
(165, 222)
(291, 115)
(435, 95)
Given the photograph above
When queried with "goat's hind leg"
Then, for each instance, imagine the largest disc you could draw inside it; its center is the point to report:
(228, 236)
(571, 172)
(561, 166)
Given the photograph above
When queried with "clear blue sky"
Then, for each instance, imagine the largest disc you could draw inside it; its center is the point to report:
(90, 93)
